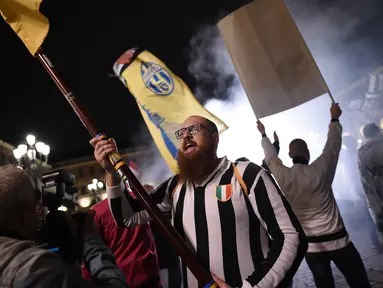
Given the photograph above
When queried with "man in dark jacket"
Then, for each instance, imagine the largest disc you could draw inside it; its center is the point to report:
(133, 248)
(23, 263)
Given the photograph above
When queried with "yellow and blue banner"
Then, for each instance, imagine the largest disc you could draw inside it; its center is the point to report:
(25, 19)
(164, 100)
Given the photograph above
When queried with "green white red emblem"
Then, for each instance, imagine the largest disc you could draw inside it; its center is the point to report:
(224, 192)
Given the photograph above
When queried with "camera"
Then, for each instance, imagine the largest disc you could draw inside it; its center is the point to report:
(58, 188)
(60, 231)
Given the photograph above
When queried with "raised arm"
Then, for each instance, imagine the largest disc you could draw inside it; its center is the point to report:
(126, 211)
(289, 243)
(272, 162)
(328, 160)
(276, 147)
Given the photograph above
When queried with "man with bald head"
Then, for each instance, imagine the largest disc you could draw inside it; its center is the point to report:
(298, 148)
(308, 188)
(232, 214)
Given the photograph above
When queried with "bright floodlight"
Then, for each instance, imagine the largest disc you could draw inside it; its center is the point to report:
(46, 150)
(31, 139)
(23, 149)
(85, 202)
(360, 141)
(92, 186)
(100, 185)
(95, 181)
(40, 147)
(62, 208)
(17, 153)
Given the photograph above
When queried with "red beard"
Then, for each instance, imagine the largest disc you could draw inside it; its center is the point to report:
(197, 166)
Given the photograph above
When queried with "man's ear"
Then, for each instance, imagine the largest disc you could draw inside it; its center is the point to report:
(290, 155)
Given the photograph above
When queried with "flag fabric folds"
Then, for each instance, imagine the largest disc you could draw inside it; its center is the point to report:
(272, 60)
(164, 100)
(25, 19)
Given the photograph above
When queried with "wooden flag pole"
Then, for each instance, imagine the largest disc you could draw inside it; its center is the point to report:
(187, 255)
(328, 90)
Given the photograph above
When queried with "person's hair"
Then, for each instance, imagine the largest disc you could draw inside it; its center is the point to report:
(371, 130)
(14, 196)
(211, 126)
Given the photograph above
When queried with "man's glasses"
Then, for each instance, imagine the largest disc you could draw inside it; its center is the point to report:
(192, 129)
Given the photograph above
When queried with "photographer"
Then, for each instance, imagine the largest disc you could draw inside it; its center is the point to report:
(23, 263)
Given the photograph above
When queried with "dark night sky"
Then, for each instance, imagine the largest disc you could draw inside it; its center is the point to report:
(85, 39)
(83, 43)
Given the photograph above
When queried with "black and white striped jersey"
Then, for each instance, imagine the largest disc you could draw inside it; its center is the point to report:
(248, 238)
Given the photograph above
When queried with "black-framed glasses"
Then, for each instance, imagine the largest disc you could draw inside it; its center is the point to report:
(192, 129)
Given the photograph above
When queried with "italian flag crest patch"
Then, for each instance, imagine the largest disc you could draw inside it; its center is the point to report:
(224, 192)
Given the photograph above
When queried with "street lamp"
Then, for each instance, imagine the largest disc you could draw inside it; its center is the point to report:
(96, 193)
(32, 156)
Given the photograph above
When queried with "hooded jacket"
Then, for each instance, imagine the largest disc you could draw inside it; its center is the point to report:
(24, 264)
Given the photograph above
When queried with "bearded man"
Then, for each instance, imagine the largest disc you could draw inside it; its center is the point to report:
(233, 214)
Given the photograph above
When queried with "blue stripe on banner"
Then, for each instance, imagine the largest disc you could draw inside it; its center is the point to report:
(146, 65)
(99, 134)
(157, 91)
(167, 79)
(168, 142)
(208, 285)
(54, 249)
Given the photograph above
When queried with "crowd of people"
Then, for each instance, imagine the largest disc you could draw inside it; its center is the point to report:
(250, 225)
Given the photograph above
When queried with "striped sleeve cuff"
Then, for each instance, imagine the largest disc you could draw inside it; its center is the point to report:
(246, 284)
(115, 191)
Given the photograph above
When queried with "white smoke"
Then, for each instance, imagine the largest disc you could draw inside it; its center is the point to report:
(329, 32)
(211, 65)
(153, 169)
(308, 121)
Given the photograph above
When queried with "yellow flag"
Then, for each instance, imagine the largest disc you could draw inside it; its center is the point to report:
(272, 60)
(25, 19)
(164, 100)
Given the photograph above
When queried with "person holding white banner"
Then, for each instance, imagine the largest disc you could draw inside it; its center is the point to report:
(308, 189)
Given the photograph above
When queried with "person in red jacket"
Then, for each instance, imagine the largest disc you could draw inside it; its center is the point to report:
(133, 248)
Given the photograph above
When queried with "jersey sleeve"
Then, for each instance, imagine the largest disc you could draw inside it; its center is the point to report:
(289, 243)
(128, 212)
